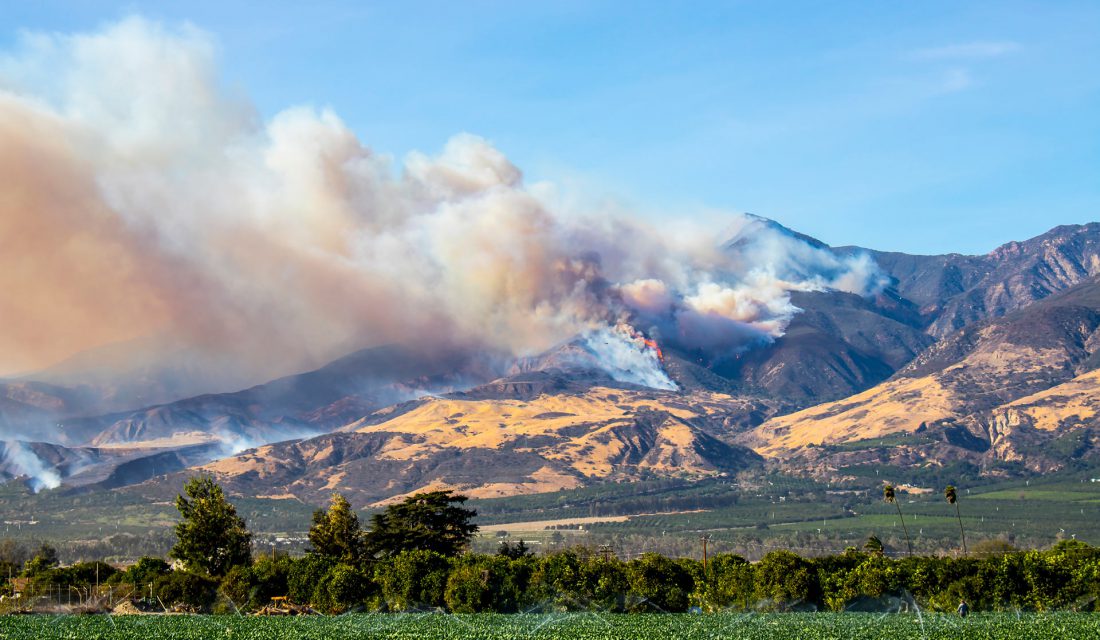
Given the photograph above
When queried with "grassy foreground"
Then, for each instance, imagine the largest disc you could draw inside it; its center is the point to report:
(430, 626)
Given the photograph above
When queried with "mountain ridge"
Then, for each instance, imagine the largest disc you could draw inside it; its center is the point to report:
(1012, 379)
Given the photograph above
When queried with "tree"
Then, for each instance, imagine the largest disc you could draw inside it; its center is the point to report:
(142, 573)
(210, 537)
(952, 498)
(661, 583)
(337, 533)
(784, 579)
(729, 584)
(343, 588)
(185, 588)
(514, 551)
(413, 580)
(481, 583)
(306, 574)
(426, 521)
(888, 495)
(874, 546)
(45, 558)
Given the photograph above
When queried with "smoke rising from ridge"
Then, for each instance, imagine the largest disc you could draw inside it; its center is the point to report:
(141, 197)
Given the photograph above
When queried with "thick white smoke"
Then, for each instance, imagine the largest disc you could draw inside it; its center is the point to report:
(627, 358)
(20, 460)
(148, 199)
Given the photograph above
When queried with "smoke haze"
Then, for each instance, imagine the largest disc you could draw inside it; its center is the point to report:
(140, 197)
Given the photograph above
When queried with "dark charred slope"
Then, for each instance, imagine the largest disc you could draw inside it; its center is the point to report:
(531, 384)
(294, 406)
(838, 345)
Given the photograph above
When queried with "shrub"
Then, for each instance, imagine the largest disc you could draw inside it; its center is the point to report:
(413, 580)
(191, 590)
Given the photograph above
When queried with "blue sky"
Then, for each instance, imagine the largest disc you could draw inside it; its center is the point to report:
(924, 127)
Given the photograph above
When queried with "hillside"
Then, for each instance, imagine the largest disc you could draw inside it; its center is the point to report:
(996, 391)
(955, 290)
(501, 446)
(853, 380)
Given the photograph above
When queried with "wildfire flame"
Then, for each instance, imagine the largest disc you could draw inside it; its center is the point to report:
(652, 344)
(638, 336)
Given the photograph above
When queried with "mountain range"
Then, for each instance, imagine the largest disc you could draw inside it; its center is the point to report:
(991, 362)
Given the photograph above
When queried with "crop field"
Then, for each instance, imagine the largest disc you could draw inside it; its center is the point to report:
(777, 512)
(431, 626)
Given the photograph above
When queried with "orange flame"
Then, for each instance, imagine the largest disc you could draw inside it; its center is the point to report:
(634, 334)
(652, 344)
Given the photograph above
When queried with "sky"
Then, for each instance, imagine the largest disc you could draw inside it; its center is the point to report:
(925, 127)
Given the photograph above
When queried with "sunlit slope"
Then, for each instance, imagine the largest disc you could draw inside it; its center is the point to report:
(892, 407)
(497, 447)
(997, 391)
(1066, 405)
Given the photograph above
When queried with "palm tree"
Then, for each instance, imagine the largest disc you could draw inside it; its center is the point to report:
(952, 498)
(888, 495)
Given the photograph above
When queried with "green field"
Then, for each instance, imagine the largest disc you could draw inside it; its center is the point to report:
(748, 515)
(429, 626)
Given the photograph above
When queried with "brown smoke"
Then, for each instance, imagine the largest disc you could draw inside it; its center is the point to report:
(139, 197)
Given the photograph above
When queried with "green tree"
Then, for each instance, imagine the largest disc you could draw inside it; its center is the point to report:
(952, 497)
(661, 582)
(343, 588)
(45, 558)
(874, 546)
(558, 580)
(514, 551)
(785, 579)
(729, 583)
(432, 521)
(210, 537)
(888, 495)
(304, 577)
(413, 580)
(481, 583)
(337, 533)
(142, 573)
(192, 590)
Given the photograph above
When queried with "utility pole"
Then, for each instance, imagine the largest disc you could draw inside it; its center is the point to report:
(704, 539)
(605, 549)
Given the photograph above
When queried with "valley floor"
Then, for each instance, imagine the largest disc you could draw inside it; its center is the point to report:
(745, 516)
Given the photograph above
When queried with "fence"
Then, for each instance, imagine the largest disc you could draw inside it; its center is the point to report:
(63, 598)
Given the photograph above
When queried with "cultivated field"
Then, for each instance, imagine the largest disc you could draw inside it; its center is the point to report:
(431, 626)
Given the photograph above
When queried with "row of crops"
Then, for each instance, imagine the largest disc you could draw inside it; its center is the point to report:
(431, 626)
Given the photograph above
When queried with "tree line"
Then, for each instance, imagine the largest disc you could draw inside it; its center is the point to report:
(414, 555)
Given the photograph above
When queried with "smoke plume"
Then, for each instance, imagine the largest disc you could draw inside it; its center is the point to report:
(141, 197)
(19, 460)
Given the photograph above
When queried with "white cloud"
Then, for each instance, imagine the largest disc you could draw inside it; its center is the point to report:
(967, 50)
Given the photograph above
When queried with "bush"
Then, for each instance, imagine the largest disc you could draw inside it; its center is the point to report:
(606, 583)
(142, 573)
(783, 579)
(191, 590)
(413, 580)
(484, 583)
(343, 588)
(661, 583)
(727, 583)
(558, 581)
(304, 577)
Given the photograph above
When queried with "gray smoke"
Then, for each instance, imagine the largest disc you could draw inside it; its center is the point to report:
(150, 200)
